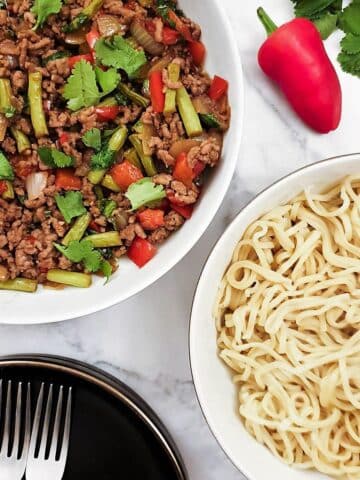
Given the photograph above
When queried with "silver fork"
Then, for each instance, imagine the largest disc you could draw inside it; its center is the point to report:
(40, 465)
(13, 463)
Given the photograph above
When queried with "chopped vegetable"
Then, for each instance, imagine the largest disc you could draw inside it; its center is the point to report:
(170, 36)
(7, 193)
(92, 139)
(81, 89)
(35, 184)
(55, 56)
(157, 92)
(141, 251)
(218, 88)
(73, 279)
(170, 97)
(185, 211)
(109, 25)
(87, 57)
(182, 171)
(78, 230)
(84, 16)
(119, 53)
(109, 183)
(105, 240)
(20, 285)
(145, 39)
(146, 160)
(144, 192)
(131, 156)
(106, 157)
(125, 174)
(36, 106)
(108, 207)
(188, 113)
(151, 219)
(43, 8)
(198, 52)
(106, 113)
(133, 96)
(22, 141)
(209, 120)
(6, 171)
(66, 179)
(95, 176)
(91, 38)
(54, 158)
(6, 106)
(70, 205)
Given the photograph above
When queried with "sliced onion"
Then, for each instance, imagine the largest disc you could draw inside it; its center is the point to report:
(108, 25)
(160, 64)
(75, 38)
(35, 184)
(183, 146)
(143, 37)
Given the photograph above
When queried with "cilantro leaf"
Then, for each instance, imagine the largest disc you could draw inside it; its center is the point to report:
(6, 171)
(43, 8)
(92, 262)
(349, 20)
(103, 159)
(349, 63)
(107, 207)
(326, 24)
(108, 80)
(143, 192)
(92, 139)
(70, 205)
(311, 8)
(119, 53)
(54, 158)
(106, 269)
(350, 44)
(81, 89)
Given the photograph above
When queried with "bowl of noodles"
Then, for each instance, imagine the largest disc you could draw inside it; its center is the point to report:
(275, 328)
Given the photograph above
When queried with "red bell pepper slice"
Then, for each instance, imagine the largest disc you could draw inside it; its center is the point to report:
(182, 171)
(92, 37)
(94, 226)
(173, 200)
(141, 251)
(125, 173)
(157, 92)
(107, 113)
(185, 211)
(3, 187)
(66, 179)
(151, 219)
(170, 36)
(64, 138)
(72, 61)
(198, 52)
(198, 169)
(180, 26)
(218, 88)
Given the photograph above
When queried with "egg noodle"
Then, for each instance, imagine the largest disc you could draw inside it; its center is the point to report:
(288, 320)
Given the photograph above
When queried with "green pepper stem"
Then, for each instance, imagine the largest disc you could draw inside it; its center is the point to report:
(269, 25)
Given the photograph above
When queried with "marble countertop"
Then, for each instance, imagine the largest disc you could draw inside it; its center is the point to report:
(144, 341)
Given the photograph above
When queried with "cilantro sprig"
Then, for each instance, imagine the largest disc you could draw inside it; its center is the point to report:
(43, 8)
(92, 139)
(143, 192)
(70, 205)
(54, 158)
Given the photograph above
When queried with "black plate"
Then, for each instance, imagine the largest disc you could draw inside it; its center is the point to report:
(114, 433)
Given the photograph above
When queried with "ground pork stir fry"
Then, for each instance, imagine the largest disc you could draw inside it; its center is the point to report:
(108, 127)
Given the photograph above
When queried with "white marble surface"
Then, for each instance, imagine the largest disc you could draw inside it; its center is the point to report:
(144, 341)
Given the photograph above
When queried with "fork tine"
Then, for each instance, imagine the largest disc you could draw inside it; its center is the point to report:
(36, 424)
(45, 431)
(15, 446)
(55, 435)
(65, 442)
(6, 434)
(27, 422)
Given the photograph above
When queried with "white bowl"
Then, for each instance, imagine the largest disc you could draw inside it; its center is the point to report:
(216, 392)
(51, 306)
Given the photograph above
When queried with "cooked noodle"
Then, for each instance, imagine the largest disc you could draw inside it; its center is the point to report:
(288, 320)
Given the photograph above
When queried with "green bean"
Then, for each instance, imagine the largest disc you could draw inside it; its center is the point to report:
(105, 240)
(133, 96)
(131, 156)
(36, 106)
(20, 285)
(22, 141)
(146, 160)
(110, 184)
(170, 97)
(74, 279)
(188, 113)
(6, 106)
(95, 176)
(9, 193)
(84, 16)
(78, 229)
(118, 139)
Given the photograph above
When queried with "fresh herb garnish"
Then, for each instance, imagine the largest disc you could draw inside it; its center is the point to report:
(54, 158)
(9, 111)
(107, 207)
(119, 53)
(6, 171)
(43, 8)
(103, 159)
(81, 89)
(108, 80)
(144, 192)
(92, 139)
(70, 205)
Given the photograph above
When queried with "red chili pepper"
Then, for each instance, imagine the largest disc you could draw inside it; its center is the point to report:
(107, 113)
(198, 52)
(64, 138)
(170, 36)
(94, 226)
(157, 92)
(151, 219)
(294, 57)
(66, 179)
(3, 187)
(72, 61)
(185, 211)
(218, 88)
(182, 171)
(92, 37)
(125, 173)
(180, 26)
(141, 251)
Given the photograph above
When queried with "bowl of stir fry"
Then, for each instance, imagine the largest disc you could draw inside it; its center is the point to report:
(116, 146)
